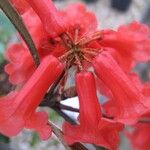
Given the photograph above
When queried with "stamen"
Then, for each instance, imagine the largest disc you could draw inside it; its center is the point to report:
(87, 59)
(70, 60)
(97, 51)
(64, 56)
(76, 35)
(95, 36)
(78, 62)
(90, 52)
(67, 40)
(69, 37)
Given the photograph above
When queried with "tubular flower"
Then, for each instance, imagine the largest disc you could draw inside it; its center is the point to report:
(110, 106)
(49, 15)
(18, 108)
(128, 100)
(92, 127)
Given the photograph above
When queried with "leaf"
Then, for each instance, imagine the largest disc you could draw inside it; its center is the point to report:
(3, 139)
(35, 139)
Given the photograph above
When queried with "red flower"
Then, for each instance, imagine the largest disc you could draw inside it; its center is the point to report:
(18, 108)
(129, 102)
(77, 42)
(92, 127)
(72, 36)
(44, 43)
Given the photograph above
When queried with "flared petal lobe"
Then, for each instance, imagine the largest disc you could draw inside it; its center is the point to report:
(19, 70)
(130, 103)
(18, 110)
(131, 42)
(92, 128)
(49, 15)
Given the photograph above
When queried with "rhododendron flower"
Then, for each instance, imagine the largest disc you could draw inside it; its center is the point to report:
(52, 29)
(130, 103)
(92, 127)
(71, 35)
(17, 110)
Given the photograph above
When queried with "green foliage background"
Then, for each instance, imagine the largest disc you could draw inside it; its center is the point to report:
(6, 32)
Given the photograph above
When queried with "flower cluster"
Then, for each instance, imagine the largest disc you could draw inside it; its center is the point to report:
(69, 38)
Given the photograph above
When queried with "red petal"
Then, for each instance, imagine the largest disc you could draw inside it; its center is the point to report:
(130, 41)
(135, 31)
(19, 70)
(139, 135)
(77, 16)
(34, 26)
(38, 122)
(88, 100)
(130, 103)
(21, 5)
(146, 89)
(50, 17)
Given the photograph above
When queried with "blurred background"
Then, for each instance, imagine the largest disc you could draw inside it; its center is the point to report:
(110, 14)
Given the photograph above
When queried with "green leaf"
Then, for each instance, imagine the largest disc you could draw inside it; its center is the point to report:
(3, 139)
(34, 140)
(1, 58)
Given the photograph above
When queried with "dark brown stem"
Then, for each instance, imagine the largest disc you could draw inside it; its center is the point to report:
(64, 115)
(49, 95)
(144, 120)
(69, 108)
(59, 135)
